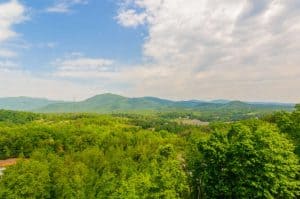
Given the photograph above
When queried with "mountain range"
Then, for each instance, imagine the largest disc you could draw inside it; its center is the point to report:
(24, 103)
(107, 103)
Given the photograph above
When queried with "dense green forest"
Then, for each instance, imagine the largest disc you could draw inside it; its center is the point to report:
(86, 155)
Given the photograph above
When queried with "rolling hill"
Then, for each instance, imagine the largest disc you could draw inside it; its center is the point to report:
(24, 103)
(112, 103)
(106, 103)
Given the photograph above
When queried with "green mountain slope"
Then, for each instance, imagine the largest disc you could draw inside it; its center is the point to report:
(111, 103)
(24, 103)
(106, 103)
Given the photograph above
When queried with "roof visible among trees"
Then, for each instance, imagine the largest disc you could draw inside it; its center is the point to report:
(8, 162)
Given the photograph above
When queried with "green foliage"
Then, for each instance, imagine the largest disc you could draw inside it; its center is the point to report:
(288, 123)
(17, 117)
(148, 156)
(249, 161)
(27, 179)
(95, 156)
(69, 179)
(297, 107)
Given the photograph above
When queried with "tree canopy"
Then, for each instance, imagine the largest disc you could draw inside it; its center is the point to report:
(148, 156)
(249, 161)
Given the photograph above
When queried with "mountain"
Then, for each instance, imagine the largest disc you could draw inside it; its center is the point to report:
(237, 104)
(24, 103)
(108, 103)
(220, 101)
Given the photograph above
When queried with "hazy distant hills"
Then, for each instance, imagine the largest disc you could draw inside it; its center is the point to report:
(110, 103)
(106, 103)
(24, 103)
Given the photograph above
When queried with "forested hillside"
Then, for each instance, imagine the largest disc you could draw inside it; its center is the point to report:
(221, 110)
(24, 103)
(148, 156)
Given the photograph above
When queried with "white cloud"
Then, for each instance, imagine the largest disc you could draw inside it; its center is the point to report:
(65, 6)
(7, 53)
(218, 49)
(76, 65)
(130, 18)
(47, 45)
(205, 49)
(8, 65)
(11, 13)
(84, 63)
(20, 83)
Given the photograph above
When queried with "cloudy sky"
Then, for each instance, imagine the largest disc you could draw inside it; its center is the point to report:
(176, 49)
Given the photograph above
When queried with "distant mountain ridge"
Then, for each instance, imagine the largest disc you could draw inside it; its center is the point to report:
(106, 103)
(109, 103)
(24, 103)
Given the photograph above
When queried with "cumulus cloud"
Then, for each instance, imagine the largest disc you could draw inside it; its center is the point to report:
(247, 49)
(11, 13)
(65, 6)
(130, 18)
(204, 49)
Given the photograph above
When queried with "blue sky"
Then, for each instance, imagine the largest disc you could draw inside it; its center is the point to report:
(178, 49)
(86, 28)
